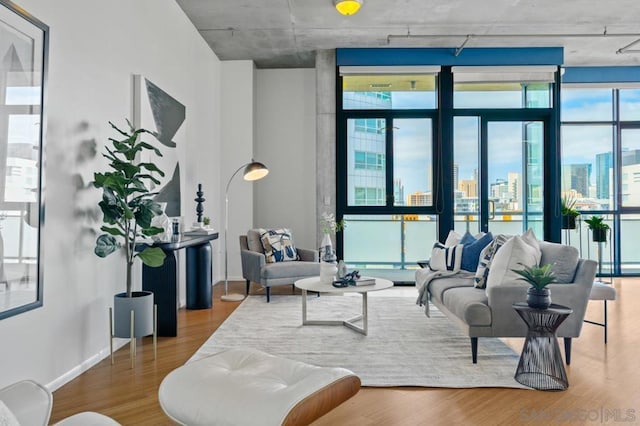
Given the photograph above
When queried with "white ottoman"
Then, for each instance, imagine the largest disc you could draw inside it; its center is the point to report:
(87, 418)
(250, 387)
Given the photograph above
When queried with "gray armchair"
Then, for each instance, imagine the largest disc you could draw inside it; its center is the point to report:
(255, 267)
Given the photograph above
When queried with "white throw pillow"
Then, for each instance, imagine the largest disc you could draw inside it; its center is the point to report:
(7, 418)
(445, 258)
(486, 257)
(514, 254)
(529, 237)
(453, 239)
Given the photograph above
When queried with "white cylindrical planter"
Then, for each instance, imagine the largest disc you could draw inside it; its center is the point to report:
(141, 303)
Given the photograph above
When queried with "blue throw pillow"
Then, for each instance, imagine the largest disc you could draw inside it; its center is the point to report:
(467, 239)
(472, 249)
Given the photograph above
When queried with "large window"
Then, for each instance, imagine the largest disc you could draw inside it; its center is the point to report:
(601, 170)
(387, 190)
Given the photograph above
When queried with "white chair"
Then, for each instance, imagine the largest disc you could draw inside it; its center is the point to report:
(602, 291)
(30, 404)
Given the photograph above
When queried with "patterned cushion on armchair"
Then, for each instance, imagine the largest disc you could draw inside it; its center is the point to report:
(278, 245)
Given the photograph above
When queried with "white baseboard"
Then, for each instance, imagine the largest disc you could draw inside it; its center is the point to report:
(85, 365)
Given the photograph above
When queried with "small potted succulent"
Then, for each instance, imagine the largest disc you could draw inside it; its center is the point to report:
(538, 295)
(598, 229)
(569, 212)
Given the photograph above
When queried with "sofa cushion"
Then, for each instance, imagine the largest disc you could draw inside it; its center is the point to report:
(516, 253)
(253, 240)
(485, 259)
(472, 249)
(278, 245)
(470, 304)
(563, 258)
(439, 286)
(293, 270)
(452, 239)
(445, 258)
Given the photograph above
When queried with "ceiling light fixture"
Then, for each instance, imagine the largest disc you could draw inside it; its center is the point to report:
(347, 7)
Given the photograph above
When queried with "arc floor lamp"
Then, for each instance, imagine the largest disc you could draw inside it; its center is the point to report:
(252, 171)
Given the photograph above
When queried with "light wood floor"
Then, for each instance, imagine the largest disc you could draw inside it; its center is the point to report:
(604, 380)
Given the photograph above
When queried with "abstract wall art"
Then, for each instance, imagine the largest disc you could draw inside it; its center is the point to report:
(159, 112)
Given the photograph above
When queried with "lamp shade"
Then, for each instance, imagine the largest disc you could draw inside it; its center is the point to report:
(255, 171)
(347, 7)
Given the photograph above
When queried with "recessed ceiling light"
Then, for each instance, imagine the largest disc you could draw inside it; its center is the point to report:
(347, 7)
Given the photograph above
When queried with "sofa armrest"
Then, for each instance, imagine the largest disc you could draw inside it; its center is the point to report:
(252, 263)
(575, 295)
(308, 255)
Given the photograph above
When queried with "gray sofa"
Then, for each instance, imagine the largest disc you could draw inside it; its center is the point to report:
(489, 313)
(255, 267)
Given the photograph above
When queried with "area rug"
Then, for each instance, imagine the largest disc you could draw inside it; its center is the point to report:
(403, 347)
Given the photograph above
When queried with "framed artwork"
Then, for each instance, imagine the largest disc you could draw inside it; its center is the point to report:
(23, 72)
(157, 111)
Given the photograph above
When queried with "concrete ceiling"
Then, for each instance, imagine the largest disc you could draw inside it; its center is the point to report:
(286, 33)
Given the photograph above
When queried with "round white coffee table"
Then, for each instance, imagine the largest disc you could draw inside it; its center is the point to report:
(314, 284)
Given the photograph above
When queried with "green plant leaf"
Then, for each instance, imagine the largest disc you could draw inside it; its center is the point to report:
(105, 245)
(118, 130)
(152, 168)
(538, 276)
(144, 213)
(112, 230)
(151, 178)
(151, 147)
(154, 230)
(152, 256)
(110, 207)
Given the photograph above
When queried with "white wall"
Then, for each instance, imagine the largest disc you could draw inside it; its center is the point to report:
(286, 142)
(238, 97)
(95, 49)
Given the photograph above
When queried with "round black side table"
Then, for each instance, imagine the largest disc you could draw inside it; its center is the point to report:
(541, 365)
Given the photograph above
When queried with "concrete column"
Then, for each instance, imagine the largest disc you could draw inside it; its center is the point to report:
(325, 136)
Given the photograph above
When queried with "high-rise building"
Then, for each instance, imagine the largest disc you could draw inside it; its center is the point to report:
(630, 184)
(604, 164)
(398, 192)
(630, 157)
(515, 186)
(420, 198)
(499, 189)
(366, 156)
(576, 177)
(456, 173)
(469, 188)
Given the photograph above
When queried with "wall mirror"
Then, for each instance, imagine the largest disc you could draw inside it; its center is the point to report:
(23, 62)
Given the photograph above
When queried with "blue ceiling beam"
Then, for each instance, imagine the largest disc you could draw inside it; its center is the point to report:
(472, 56)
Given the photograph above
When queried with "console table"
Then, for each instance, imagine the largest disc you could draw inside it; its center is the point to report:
(163, 280)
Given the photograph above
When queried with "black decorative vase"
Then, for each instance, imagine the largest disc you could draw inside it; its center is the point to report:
(599, 235)
(538, 299)
(568, 222)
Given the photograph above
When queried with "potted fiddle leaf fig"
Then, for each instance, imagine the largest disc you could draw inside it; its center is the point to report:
(538, 295)
(598, 228)
(128, 207)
